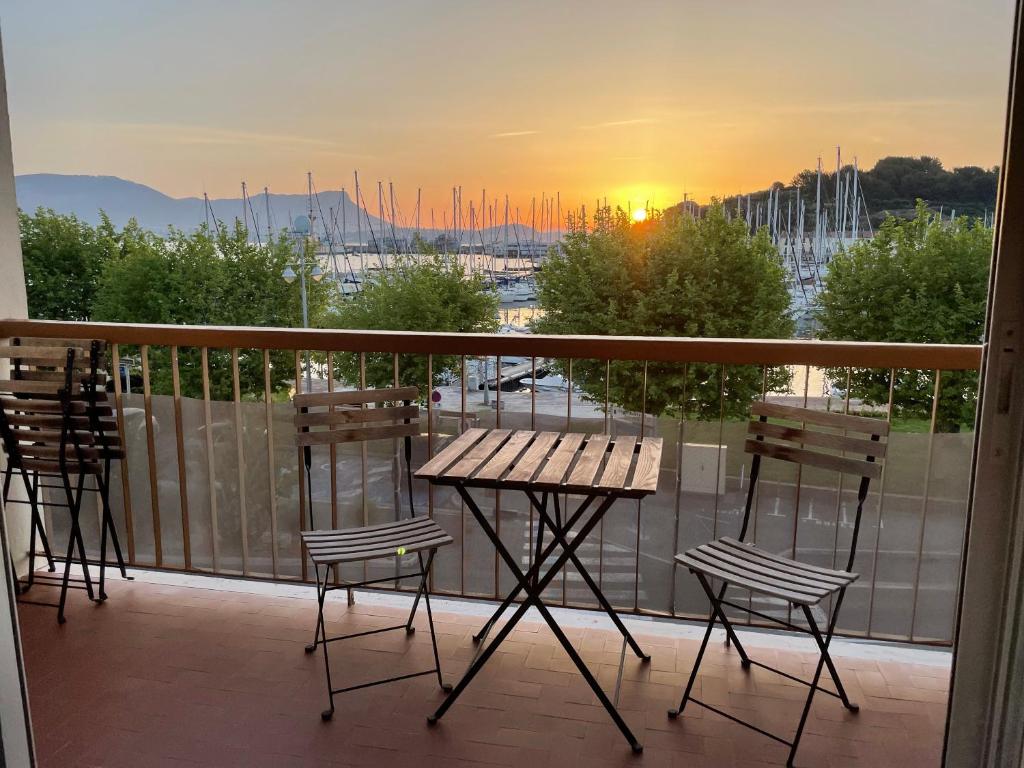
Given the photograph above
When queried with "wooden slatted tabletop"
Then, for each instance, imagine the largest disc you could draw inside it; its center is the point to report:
(548, 461)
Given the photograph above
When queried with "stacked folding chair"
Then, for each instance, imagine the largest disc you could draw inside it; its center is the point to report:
(60, 437)
(331, 418)
(849, 445)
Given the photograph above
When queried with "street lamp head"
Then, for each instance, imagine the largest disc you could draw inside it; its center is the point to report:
(289, 275)
(317, 274)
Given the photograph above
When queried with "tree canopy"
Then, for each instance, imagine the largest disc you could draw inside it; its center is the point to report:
(63, 259)
(923, 281)
(894, 185)
(431, 294)
(75, 271)
(673, 275)
(210, 278)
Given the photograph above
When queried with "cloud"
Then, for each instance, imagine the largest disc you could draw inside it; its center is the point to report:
(199, 135)
(861, 107)
(619, 123)
(510, 134)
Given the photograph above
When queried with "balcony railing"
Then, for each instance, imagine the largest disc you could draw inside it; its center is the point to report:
(213, 481)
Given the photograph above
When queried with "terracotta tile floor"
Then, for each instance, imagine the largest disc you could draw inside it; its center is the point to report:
(183, 676)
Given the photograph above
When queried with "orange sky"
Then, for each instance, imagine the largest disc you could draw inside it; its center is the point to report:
(634, 101)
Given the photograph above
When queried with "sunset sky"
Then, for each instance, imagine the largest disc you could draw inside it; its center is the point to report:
(638, 101)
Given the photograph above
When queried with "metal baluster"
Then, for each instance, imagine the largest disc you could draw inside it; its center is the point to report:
(211, 475)
(243, 509)
(271, 464)
(924, 500)
(301, 476)
(676, 546)
(881, 503)
(126, 489)
(154, 493)
(186, 537)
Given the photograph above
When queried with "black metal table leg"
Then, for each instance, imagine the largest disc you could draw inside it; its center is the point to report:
(541, 555)
(534, 588)
(559, 535)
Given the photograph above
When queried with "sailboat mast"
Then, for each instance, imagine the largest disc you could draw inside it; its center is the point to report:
(266, 200)
(359, 227)
(559, 216)
(309, 196)
(344, 224)
(856, 201)
(394, 235)
(839, 191)
(817, 215)
(380, 212)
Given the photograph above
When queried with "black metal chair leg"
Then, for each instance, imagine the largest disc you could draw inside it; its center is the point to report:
(409, 628)
(813, 688)
(108, 521)
(328, 713)
(716, 607)
(103, 556)
(66, 579)
(673, 713)
(823, 648)
(320, 613)
(446, 687)
(37, 519)
(76, 530)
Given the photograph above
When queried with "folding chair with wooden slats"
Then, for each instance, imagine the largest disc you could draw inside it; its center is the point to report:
(334, 418)
(40, 360)
(854, 447)
(39, 438)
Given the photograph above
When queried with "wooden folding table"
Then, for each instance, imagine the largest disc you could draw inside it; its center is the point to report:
(548, 465)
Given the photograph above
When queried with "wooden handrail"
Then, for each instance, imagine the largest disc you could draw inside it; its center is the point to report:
(661, 349)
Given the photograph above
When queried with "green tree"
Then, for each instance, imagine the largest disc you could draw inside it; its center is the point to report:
(922, 281)
(430, 294)
(674, 275)
(63, 259)
(210, 278)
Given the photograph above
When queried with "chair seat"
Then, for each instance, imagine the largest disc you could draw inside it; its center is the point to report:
(744, 565)
(375, 541)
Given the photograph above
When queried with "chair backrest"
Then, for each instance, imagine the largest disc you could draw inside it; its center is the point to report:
(326, 418)
(33, 361)
(329, 418)
(847, 444)
(37, 359)
(44, 423)
(42, 371)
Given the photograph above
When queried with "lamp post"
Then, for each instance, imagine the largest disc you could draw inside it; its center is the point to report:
(300, 233)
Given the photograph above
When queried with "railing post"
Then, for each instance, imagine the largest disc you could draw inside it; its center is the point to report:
(186, 535)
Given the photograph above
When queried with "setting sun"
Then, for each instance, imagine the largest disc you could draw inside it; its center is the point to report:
(640, 214)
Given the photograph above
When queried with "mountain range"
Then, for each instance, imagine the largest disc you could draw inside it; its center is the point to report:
(121, 200)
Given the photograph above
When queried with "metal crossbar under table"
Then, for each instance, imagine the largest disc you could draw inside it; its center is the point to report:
(548, 464)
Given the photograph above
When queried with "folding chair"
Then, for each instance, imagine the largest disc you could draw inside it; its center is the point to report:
(343, 417)
(798, 585)
(98, 418)
(41, 439)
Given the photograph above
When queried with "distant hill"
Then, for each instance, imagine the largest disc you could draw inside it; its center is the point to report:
(894, 184)
(121, 200)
